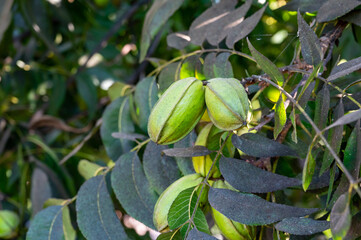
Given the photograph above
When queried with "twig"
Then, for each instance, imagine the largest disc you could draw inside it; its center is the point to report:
(80, 145)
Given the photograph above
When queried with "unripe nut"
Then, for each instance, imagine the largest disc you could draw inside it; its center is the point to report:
(177, 111)
(227, 103)
(9, 221)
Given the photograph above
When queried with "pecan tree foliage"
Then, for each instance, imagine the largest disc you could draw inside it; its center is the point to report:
(292, 170)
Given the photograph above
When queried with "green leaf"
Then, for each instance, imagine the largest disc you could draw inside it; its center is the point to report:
(189, 66)
(185, 163)
(302, 226)
(88, 169)
(160, 170)
(96, 216)
(196, 151)
(117, 89)
(40, 190)
(156, 17)
(209, 65)
(340, 217)
(178, 40)
(250, 209)
(116, 118)
(47, 224)
(88, 92)
(57, 95)
(345, 69)
(194, 234)
(267, 66)
(308, 170)
(145, 96)
(222, 67)
(182, 209)
(333, 9)
(346, 119)
(280, 117)
(303, 5)
(258, 146)
(244, 28)
(322, 107)
(132, 188)
(355, 228)
(352, 158)
(175, 235)
(310, 45)
(353, 17)
(168, 76)
(294, 125)
(335, 138)
(245, 177)
(5, 16)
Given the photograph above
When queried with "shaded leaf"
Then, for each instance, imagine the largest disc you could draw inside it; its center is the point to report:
(352, 158)
(266, 65)
(225, 25)
(209, 65)
(223, 68)
(88, 92)
(118, 89)
(355, 228)
(345, 69)
(353, 17)
(322, 107)
(5, 16)
(129, 136)
(303, 5)
(145, 97)
(248, 178)
(178, 40)
(96, 216)
(160, 170)
(203, 25)
(346, 119)
(310, 45)
(304, 98)
(168, 76)
(156, 17)
(302, 226)
(340, 218)
(259, 146)
(335, 139)
(175, 235)
(40, 190)
(57, 95)
(244, 28)
(116, 118)
(182, 209)
(250, 209)
(132, 189)
(280, 117)
(189, 67)
(47, 224)
(194, 234)
(185, 163)
(333, 9)
(195, 151)
(308, 170)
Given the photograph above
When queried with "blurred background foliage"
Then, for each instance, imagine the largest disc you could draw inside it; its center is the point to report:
(58, 60)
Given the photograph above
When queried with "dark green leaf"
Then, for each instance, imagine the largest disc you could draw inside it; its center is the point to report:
(57, 95)
(346, 119)
(333, 9)
(352, 152)
(194, 234)
(185, 163)
(259, 146)
(5, 16)
(132, 188)
(280, 117)
(145, 96)
(304, 98)
(345, 69)
(302, 226)
(88, 92)
(248, 178)
(308, 170)
(340, 218)
(182, 208)
(322, 107)
(40, 190)
(168, 76)
(116, 118)
(209, 65)
(335, 139)
(353, 17)
(303, 5)
(47, 224)
(222, 67)
(310, 45)
(96, 216)
(203, 25)
(195, 151)
(266, 65)
(178, 40)
(156, 17)
(355, 230)
(160, 170)
(242, 30)
(250, 209)
(175, 235)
